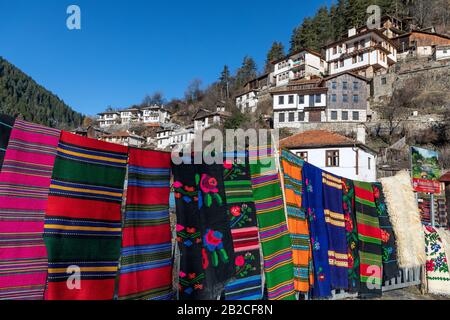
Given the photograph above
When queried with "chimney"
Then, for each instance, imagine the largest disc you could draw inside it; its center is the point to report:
(361, 134)
(351, 32)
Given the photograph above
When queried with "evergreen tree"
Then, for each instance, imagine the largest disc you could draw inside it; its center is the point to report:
(276, 52)
(224, 82)
(246, 72)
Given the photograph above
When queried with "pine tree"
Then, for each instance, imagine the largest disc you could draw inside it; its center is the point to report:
(224, 82)
(276, 52)
(246, 72)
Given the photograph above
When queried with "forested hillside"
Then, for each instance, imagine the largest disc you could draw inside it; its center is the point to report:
(328, 24)
(21, 95)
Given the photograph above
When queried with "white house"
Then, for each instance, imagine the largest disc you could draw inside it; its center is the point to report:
(106, 119)
(155, 114)
(441, 53)
(204, 118)
(182, 136)
(299, 102)
(163, 136)
(334, 153)
(365, 53)
(130, 115)
(301, 64)
(124, 138)
(247, 101)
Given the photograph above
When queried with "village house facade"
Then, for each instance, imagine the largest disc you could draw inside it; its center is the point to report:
(365, 53)
(419, 43)
(124, 138)
(441, 53)
(334, 153)
(348, 96)
(301, 64)
(299, 102)
(204, 118)
(106, 119)
(248, 101)
(155, 114)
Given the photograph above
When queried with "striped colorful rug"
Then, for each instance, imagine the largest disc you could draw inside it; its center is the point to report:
(312, 202)
(146, 257)
(83, 219)
(273, 229)
(337, 240)
(244, 230)
(297, 222)
(369, 235)
(390, 265)
(24, 184)
(348, 204)
(6, 125)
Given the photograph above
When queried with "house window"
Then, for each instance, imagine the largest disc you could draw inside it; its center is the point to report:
(345, 85)
(355, 98)
(355, 85)
(333, 115)
(334, 50)
(369, 163)
(334, 85)
(344, 98)
(281, 100)
(355, 115)
(303, 155)
(344, 115)
(361, 57)
(318, 98)
(291, 99)
(332, 158)
(341, 63)
(333, 98)
(291, 116)
(335, 65)
(354, 60)
(301, 116)
(383, 81)
(281, 117)
(301, 99)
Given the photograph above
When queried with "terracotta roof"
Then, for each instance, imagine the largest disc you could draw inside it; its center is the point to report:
(423, 32)
(121, 134)
(347, 72)
(445, 177)
(297, 52)
(317, 139)
(361, 34)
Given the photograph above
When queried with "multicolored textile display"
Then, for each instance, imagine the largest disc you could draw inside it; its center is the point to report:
(24, 185)
(337, 241)
(6, 125)
(297, 222)
(438, 276)
(348, 204)
(83, 219)
(146, 256)
(313, 204)
(390, 266)
(273, 230)
(244, 229)
(369, 235)
(207, 260)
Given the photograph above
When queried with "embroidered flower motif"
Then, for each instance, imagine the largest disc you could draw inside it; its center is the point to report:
(182, 274)
(236, 211)
(191, 230)
(227, 164)
(351, 261)
(208, 184)
(205, 261)
(213, 240)
(321, 277)
(239, 261)
(177, 184)
(180, 228)
(376, 192)
(192, 275)
(430, 265)
(385, 236)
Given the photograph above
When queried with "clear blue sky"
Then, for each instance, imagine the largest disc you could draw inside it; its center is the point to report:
(127, 49)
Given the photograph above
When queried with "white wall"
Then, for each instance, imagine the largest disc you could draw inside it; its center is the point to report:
(297, 104)
(347, 163)
(441, 55)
